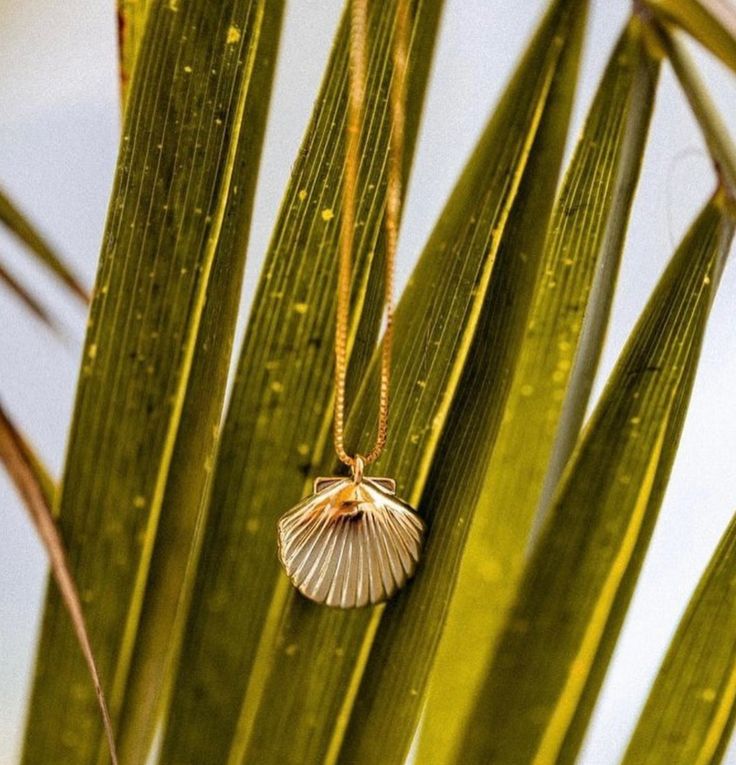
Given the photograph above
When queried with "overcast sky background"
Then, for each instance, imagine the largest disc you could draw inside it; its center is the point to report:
(58, 135)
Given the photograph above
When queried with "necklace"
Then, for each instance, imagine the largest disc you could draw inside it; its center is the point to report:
(353, 542)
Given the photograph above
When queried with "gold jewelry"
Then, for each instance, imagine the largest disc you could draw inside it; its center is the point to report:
(353, 542)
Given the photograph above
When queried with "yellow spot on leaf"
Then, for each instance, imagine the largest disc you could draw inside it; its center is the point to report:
(233, 35)
(301, 308)
(252, 525)
(327, 214)
(139, 501)
(92, 351)
(302, 194)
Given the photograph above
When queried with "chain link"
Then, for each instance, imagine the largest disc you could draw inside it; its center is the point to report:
(392, 214)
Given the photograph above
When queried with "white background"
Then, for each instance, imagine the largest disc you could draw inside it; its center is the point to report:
(58, 133)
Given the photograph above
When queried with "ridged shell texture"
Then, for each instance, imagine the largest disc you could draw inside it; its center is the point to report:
(350, 544)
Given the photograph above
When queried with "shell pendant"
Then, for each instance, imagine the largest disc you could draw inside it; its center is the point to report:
(352, 543)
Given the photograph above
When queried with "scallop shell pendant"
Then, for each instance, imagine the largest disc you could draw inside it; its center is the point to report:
(351, 543)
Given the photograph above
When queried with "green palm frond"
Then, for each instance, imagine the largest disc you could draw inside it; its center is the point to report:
(21, 227)
(689, 715)
(538, 524)
(177, 220)
(36, 489)
(538, 695)
(559, 356)
(711, 22)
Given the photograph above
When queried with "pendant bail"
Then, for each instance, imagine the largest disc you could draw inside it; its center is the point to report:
(357, 468)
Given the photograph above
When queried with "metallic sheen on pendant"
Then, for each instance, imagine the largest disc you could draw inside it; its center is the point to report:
(352, 543)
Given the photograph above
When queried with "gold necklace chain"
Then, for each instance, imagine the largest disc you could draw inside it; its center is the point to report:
(356, 99)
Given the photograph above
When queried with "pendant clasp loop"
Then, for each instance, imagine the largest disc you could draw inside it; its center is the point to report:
(357, 468)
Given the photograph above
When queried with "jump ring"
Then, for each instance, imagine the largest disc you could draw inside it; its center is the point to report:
(358, 466)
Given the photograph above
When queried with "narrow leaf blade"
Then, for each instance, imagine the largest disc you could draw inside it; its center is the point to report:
(33, 484)
(538, 695)
(21, 227)
(184, 503)
(28, 300)
(711, 22)
(689, 714)
(26, 454)
(573, 292)
(171, 199)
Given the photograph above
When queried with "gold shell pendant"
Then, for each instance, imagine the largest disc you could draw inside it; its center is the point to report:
(351, 543)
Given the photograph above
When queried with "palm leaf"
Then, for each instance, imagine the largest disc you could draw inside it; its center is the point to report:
(574, 290)
(711, 22)
(28, 300)
(538, 695)
(168, 587)
(25, 457)
(177, 207)
(689, 714)
(280, 407)
(23, 229)
(34, 486)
